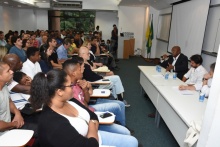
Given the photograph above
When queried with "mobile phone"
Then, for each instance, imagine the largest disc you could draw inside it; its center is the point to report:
(105, 79)
(105, 115)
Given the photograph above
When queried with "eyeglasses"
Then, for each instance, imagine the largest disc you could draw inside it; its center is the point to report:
(71, 85)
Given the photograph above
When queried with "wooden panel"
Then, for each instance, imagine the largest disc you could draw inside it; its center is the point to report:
(132, 44)
(126, 49)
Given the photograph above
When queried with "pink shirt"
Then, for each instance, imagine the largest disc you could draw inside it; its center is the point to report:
(79, 95)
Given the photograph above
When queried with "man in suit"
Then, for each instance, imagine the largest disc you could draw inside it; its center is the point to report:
(177, 62)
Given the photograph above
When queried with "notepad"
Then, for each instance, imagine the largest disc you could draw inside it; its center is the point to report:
(183, 92)
(102, 69)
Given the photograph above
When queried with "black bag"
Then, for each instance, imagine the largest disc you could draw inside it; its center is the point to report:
(102, 59)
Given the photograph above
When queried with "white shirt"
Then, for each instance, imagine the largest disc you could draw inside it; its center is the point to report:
(195, 76)
(19, 99)
(206, 88)
(30, 68)
(81, 122)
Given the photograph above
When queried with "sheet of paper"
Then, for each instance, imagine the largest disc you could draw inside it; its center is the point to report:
(183, 92)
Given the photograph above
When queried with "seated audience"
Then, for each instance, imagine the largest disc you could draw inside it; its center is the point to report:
(83, 89)
(26, 44)
(31, 67)
(194, 76)
(2, 40)
(62, 49)
(177, 62)
(91, 61)
(89, 75)
(15, 65)
(3, 52)
(17, 48)
(7, 106)
(45, 63)
(79, 124)
(9, 44)
(52, 43)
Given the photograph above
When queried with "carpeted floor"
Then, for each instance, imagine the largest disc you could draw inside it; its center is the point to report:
(136, 115)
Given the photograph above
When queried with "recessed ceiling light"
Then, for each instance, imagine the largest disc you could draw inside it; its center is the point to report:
(6, 2)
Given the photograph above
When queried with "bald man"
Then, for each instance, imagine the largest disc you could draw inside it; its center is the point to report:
(89, 75)
(15, 65)
(177, 62)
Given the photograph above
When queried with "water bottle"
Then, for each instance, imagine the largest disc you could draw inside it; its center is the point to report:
(201, 97)
(166, 75)
(174, 75)
(159, 68)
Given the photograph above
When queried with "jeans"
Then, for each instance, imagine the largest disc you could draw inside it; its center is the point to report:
(114, 106)
(116, 85)
(116, 135)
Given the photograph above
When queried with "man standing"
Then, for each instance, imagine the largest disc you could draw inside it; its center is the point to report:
(177, 62)
(2, 41)
(17, 48)
(114, 38)
(62, 50)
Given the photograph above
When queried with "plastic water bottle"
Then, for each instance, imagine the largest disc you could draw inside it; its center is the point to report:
(159, 68)
(166, 75)
(201, 97)
(174, 75)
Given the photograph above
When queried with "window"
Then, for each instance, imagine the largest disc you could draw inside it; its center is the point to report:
(76, 20)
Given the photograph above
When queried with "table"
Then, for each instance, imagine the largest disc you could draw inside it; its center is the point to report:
(177, 110)
(16, 137)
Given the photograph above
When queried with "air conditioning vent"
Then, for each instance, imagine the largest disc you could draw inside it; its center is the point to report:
(67, 4)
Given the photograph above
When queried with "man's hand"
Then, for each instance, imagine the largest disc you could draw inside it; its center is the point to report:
(182, 87)
(82, 84)
(18, 119)
(207, 76)
(164, 57)
(28, 81)
(170, 66)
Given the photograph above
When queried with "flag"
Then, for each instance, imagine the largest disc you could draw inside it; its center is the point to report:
(150, 36)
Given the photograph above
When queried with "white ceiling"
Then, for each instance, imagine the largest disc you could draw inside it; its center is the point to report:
(157, 4)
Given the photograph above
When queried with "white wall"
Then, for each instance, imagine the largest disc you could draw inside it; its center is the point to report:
(105, 20)
(22, 19)
(41, 19)
(131, 19)
(26, 19)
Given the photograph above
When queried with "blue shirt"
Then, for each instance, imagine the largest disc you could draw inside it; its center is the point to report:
(62, 52)
(20, 52)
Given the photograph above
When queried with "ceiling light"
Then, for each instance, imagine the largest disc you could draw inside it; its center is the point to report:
(43, 1)
(6, 2)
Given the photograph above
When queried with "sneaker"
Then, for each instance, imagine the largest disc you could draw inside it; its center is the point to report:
(126, 103)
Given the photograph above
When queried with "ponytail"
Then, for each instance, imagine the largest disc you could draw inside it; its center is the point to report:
(39, 91)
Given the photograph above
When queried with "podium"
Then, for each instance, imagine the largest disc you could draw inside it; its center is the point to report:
(125, 47)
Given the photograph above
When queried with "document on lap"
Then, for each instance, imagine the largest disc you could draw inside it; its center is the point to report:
(183, 92)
